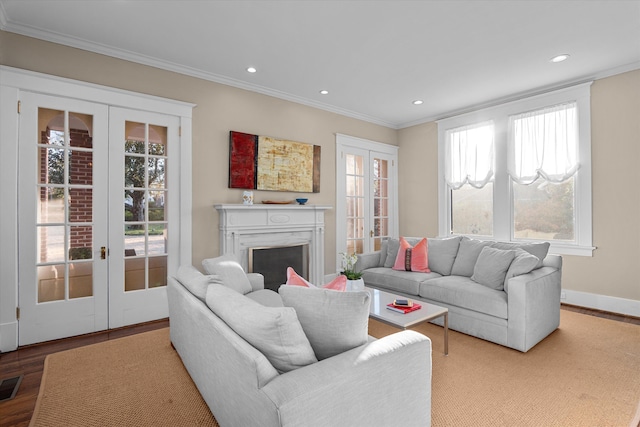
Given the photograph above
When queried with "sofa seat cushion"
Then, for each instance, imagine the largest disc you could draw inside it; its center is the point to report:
(465, 293)
(406, 282)
(274, 331)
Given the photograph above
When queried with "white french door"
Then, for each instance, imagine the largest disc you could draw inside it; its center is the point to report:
(62, 217)
(98, 213)
(143, 176)
(366, 194)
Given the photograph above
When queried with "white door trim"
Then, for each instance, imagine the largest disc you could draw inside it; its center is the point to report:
(352, 144)
(12, 82)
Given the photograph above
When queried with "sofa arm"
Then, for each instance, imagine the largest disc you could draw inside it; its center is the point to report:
(368, 260)
(368, 385)
(533, 307)
(256, 280)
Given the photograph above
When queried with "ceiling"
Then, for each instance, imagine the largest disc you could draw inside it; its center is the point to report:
(374, 57)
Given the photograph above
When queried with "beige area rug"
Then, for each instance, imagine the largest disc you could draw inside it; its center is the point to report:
(587, 373)
(132, 381)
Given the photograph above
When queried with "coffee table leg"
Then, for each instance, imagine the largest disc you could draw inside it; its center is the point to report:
(446, 334)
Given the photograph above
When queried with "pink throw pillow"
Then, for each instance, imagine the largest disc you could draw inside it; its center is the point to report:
(412, 258)
(337, 284)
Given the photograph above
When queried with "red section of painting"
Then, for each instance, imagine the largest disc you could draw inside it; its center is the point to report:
(242, 160)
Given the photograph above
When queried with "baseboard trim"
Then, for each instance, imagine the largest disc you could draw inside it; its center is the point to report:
(8, 336)
(623, 306)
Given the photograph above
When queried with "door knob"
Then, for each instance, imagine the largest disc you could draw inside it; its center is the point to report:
(103, 252)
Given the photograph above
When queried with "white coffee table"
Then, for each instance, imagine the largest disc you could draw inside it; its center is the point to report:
(379, 311)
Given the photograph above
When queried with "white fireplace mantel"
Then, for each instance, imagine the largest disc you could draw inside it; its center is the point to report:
(249, 226)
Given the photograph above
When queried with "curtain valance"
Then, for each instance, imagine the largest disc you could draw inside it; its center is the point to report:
(470, 155)
(544, 143)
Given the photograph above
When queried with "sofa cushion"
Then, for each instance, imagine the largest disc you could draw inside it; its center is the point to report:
(491, 267)
(383, 252)
(230, 272)
(463, 292)
(274, 331)
(523, 263)
(334, 322)
(294, 279)
(442, 254)
(266, 297)
(406, 282)
(539, 250)
(467, 256)
(412, 258)
(196, 282)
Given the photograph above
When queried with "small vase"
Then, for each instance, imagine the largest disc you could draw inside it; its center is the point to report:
(355, 285)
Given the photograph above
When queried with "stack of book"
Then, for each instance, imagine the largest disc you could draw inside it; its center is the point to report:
(403, 306)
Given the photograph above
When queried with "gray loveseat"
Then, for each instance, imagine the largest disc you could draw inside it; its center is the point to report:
(508, 294)
(362, 386)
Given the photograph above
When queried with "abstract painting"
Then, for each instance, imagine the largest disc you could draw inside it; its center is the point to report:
(266, 163)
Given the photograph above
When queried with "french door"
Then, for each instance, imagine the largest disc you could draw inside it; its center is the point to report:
(94, 211)
(366, 205)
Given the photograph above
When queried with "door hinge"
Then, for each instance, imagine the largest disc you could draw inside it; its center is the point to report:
(17, 313)
(19, 106)
(179, 130)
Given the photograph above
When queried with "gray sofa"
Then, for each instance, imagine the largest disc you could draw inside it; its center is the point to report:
(232, 361)
(508, 294)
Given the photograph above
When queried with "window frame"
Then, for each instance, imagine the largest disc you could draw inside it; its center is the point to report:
(503, 190)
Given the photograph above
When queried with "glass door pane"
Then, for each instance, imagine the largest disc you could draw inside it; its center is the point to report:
(145, 197)
(355, 202)
(64, 227)
(381, 212)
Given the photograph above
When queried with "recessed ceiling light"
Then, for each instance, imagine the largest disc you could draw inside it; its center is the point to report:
(251, 70)
(560, 58)
(324, 92)
(417, 102)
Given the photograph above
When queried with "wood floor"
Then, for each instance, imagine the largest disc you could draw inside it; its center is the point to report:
(29, 361)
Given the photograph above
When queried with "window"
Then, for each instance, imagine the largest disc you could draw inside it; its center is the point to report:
(520, 171)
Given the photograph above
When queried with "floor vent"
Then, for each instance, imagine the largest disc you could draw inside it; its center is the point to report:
(9, 388)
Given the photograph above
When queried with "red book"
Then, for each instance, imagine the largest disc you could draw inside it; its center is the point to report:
(404, 310)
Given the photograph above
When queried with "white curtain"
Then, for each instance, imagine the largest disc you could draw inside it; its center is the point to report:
(470, 155)
(544, 143)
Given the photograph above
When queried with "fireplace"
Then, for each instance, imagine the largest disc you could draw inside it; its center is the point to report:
(247, 229)
(272, 263)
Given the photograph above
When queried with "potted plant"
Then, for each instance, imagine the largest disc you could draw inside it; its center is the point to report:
(354, 278)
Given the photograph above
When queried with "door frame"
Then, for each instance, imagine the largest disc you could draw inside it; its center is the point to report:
(13, 82)
(352, 144)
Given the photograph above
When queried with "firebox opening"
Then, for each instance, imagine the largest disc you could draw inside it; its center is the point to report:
(272, 263)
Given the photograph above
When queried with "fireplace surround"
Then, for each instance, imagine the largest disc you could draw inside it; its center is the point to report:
(244, 227)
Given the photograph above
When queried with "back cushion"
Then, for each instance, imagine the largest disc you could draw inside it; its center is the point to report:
(196, 282)
(539, 250)
(491, 268)
(230, 272)
(333, 321)
(467, 256)
(442, 254)
(275, 331)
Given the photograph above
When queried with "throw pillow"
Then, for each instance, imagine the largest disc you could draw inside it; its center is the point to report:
(274, 331)
(334, 322)
(491, 267)
(195, 282)
(442, 254)
(337, 284)
(523, 263)
(230, 272)
(539, 250)
(467, 256)
(412, 258)
(393, 245)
